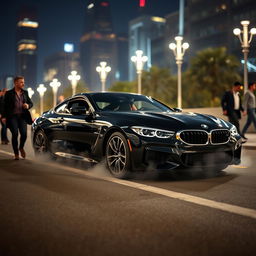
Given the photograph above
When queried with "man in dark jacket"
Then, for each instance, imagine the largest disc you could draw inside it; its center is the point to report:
(16, 115)
(232, 105)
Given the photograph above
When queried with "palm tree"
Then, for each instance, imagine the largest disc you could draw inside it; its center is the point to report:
(213, 70)
(158, 83)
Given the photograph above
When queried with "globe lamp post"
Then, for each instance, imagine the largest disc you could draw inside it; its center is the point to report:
(179, 49)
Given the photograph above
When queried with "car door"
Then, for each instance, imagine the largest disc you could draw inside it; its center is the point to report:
(81, 130)
(56, 130)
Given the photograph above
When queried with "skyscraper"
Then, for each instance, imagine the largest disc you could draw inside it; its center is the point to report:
(59, 65)
(211, 24)
(98, 43)
(142, 31)
(26, 45)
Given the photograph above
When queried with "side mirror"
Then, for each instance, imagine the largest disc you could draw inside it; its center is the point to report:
(177, 109)
(78, 111)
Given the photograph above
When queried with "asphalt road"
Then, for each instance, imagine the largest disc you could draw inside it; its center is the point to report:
(66, 208)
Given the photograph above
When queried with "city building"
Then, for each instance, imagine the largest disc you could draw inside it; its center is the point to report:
(211, 24)
(59, 65)
(244, 10)
(98, 43)
(143, 30)
(26, 45)
(6, 82)
(122, 57)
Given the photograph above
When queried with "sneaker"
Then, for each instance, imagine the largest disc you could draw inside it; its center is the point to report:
(22, 153)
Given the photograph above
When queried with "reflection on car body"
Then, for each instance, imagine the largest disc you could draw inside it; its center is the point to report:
(132, 132)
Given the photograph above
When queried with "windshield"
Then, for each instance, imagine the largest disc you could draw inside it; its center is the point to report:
(127, 103)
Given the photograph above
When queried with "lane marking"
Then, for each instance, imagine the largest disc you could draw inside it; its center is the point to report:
(243, 211)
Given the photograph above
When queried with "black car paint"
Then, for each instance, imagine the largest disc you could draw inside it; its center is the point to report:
(88, 134)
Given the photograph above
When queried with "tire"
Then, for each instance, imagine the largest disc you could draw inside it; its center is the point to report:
(118, 156)
(41, 145)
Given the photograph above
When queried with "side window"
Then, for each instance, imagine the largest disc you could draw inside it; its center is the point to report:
(62, 109)
(78, 104)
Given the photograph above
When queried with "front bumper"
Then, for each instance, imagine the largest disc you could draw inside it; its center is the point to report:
(171, 154)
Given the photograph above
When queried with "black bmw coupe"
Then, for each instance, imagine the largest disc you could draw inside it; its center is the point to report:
(132, 132)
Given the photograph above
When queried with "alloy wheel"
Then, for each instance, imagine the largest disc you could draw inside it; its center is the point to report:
(40, 143)
(117, 155)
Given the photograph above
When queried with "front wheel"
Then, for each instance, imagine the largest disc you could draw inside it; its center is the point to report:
(118, 156)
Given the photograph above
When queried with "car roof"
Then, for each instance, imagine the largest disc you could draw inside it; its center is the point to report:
(117, 93)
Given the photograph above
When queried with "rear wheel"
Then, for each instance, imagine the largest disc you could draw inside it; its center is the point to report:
(118, 156)
(41, 145)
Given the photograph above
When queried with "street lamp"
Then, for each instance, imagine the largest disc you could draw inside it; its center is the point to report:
(74, 78)
(103, 71)
(30, 92)
(179, 50)
(139, 61)
(55, 84)
(41, 89)
(245, 43)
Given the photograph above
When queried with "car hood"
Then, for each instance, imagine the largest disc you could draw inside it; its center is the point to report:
(167, 120)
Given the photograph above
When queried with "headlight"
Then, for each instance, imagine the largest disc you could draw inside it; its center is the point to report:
(151, 132)
(233, 131)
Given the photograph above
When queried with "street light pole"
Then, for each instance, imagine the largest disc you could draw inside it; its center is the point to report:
(139, 61)
(74, 78)
(179, 50)
(41, 90)
(245, 44)
(55, 84)
(103, 71)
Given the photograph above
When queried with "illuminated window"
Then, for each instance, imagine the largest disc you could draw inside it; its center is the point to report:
(158, 19)
(23, 47)
(28, 23)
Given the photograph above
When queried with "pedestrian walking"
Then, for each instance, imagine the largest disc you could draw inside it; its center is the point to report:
(4, 138)
(249, 108)
(232, 105)
(16, 115)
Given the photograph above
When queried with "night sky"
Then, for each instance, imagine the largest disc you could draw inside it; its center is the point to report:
(62, 21)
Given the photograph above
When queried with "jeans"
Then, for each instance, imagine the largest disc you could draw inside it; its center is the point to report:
(251, 118)
(3, 132)
(17, 124)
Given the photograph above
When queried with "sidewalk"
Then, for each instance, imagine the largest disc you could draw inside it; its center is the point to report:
(251, 142)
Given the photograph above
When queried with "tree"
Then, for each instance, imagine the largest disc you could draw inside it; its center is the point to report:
(212, 71)
(158, 83)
